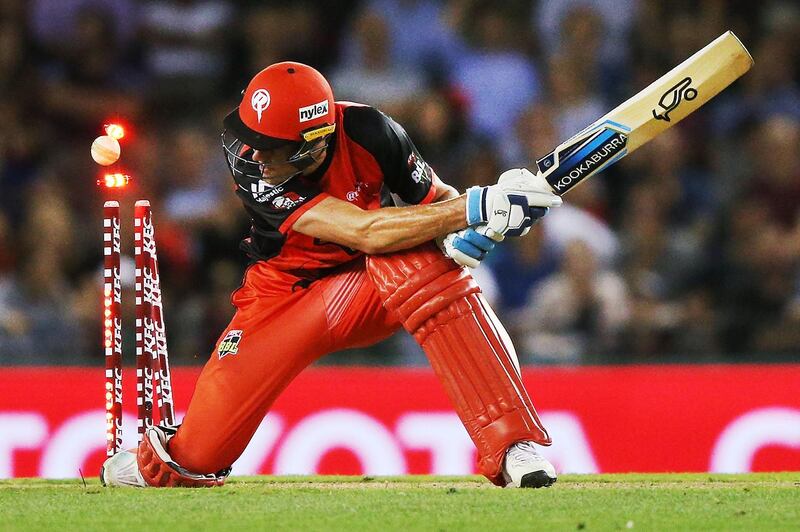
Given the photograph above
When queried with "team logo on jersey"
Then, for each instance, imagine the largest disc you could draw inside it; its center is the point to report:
(288, 201)
(353, 195)
(420, 171)
(259, 101)
(230, 344)
(313, 111)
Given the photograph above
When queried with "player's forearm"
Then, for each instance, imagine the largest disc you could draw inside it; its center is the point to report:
(395, 228)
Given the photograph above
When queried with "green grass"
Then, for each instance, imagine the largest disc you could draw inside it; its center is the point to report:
(575, 502)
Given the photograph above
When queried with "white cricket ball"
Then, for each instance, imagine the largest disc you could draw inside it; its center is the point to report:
(105, 150)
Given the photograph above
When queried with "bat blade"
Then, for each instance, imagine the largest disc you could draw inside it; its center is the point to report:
(657, 107)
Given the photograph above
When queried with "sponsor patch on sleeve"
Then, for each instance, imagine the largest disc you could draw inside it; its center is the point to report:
(288, 201)
(420, 171)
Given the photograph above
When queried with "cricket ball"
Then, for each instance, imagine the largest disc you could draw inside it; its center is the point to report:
(105, 150)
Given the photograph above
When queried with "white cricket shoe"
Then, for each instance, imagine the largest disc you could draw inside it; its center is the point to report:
(122, 470)
(524, 467)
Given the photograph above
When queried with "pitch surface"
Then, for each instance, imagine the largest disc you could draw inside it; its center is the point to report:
(575, 502)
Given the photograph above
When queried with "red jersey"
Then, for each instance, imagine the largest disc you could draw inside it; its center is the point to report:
(371, 162)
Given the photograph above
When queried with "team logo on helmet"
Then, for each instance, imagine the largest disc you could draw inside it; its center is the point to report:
(259, 101)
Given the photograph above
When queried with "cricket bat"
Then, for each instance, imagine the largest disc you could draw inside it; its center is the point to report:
(660, 105)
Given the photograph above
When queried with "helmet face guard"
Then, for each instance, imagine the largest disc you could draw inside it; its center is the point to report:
(239, 155)
(287, 107)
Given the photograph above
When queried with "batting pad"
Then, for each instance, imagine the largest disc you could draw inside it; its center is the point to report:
(440, 304)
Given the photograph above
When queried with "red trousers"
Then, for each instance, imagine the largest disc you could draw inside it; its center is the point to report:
(282, 332)
(276, 333)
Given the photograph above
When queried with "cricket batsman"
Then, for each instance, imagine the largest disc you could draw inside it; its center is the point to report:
(345, 213)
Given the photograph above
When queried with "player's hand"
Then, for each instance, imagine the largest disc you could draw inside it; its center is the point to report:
(505, 208)
(470, 246)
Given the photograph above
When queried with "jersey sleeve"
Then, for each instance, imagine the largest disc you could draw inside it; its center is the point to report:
(405, 172)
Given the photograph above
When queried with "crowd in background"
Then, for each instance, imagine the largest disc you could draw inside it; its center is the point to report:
(688, 250)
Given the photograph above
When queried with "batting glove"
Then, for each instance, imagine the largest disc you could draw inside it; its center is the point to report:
(470, 246)
(505, 208)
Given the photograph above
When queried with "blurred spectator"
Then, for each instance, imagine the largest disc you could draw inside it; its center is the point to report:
(769, 89)
(436, 126)
(497, 79)
(35, 300)
(376, 79)
(479, 166)
(8, 258)
(654, 258)
(559, 22)
(697, 333)
(577, 314)
(776, 177)
(761, 254)
(756, 279)
(568, 89)
(192, 174)
(185, 51)
(424, 35)
(53, 22)
(88, 80)
(24, 131)
(573, 223)
(37, 323)
(535, 135)
(661, 261)
(519, 267)
(282, 31)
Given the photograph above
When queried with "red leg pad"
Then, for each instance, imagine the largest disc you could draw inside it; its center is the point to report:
(440, 304)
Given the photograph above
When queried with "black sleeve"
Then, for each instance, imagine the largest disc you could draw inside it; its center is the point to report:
(271, 206)
(405, 172)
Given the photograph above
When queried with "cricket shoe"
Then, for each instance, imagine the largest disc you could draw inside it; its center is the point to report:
(524, 467)
(122, 469)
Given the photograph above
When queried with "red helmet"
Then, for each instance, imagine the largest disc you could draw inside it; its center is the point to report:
(286, 103)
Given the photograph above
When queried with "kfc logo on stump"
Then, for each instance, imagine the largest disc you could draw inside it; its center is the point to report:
(288, 201)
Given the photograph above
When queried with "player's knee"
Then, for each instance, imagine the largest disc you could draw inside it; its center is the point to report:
(419, 284)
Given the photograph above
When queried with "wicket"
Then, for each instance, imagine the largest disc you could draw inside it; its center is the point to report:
(152, 358)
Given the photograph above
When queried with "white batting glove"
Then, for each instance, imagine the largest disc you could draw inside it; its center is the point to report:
(505, 208)
(469, 246)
